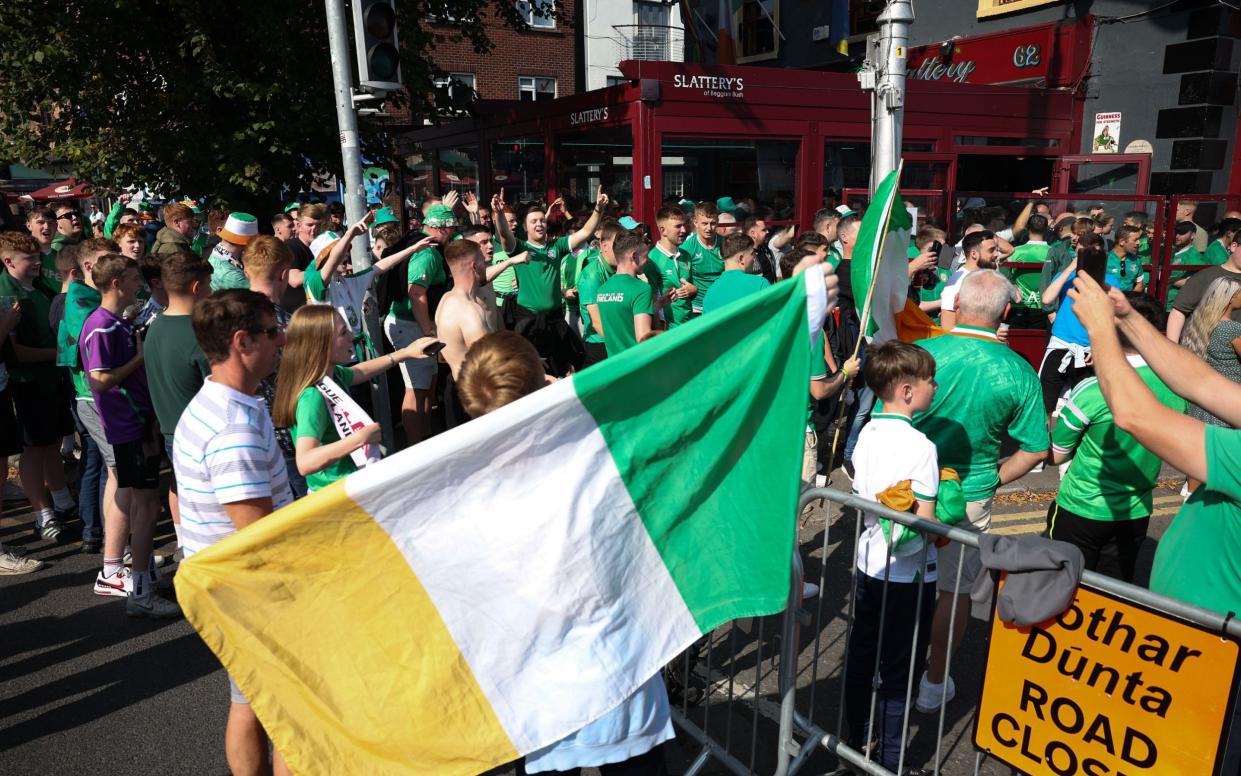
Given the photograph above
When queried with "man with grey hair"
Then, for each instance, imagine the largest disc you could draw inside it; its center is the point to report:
(985, 391)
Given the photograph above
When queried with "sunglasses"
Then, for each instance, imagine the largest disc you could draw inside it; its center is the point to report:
(271, 331)
(70, 216)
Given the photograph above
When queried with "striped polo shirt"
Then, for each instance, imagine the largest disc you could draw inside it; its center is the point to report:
(224, 451)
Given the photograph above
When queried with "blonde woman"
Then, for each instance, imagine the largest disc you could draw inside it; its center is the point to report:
(317, 345)
(1213, 336)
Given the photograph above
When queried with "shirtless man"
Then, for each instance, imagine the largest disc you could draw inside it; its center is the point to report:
(468, 312)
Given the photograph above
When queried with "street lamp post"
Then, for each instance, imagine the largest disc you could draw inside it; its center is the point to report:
(355, 198)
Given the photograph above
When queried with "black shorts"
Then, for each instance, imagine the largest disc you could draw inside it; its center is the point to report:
(137, 463)
(1091, 536)
(42, 411)
(10, 432)
(1055, 383)
(595, 352)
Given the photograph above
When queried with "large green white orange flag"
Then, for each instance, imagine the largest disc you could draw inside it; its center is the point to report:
(496, 588)
(880, 258)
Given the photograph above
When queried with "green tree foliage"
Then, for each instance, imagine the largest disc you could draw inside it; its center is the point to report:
(227, 99)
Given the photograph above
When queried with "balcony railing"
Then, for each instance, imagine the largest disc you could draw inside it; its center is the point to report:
(650, 42)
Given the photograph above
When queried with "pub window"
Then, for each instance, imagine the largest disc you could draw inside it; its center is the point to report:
(532, 88)
(758, 33)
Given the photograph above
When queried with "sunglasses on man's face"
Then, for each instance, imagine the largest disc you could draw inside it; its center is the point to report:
(71, 216)
(271, 331)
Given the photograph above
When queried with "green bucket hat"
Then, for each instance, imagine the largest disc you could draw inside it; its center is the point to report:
(384, 215)
(439, 216)
(726, 205)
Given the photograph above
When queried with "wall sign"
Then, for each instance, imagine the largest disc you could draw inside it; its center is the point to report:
(711, 85)
(1051, 55)
(1106, 133)
(590, 116)
(1107, 687)
(996, 7)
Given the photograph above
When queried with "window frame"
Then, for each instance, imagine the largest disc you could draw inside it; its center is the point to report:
(743, 58)
(534, 84)
(544, 23)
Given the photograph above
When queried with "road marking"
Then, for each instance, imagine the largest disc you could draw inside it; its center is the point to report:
(1011, 517)
(1011, 527)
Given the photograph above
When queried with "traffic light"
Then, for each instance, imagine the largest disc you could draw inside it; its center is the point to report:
(374, 34)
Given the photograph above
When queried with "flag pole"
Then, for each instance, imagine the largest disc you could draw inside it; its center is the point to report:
(865, 318)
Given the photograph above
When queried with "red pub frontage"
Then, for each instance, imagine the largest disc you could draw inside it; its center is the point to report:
(780, 137)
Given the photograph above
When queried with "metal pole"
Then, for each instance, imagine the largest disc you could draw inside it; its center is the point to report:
(355, 199)
(888, 100)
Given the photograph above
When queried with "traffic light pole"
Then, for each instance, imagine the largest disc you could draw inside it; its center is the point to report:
(888, 98)
(355, 199)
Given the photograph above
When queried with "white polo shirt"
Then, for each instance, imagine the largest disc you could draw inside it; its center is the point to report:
(889, 450)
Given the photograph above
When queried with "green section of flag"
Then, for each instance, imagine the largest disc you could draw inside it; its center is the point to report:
(711, 454)
(886, 215)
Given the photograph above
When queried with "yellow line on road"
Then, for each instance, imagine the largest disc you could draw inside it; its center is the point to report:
(1010, 517)
(1009, 527)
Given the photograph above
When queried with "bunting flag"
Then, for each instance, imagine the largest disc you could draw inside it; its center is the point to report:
(494, 589)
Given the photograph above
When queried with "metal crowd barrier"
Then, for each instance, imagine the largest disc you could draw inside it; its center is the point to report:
(752, 677)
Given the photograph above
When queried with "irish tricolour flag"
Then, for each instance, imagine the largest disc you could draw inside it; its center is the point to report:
(881, 260)
(496, 588)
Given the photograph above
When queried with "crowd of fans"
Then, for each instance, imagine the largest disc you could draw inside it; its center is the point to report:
(241, 355)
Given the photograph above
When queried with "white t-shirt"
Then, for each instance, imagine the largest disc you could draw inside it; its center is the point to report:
(948, 297)
(889, 450)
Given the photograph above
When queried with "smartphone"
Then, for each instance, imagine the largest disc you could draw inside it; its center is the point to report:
(1093, 262)
(434, 348)
(937, 248)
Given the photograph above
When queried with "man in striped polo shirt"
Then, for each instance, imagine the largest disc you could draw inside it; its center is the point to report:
(230, 471)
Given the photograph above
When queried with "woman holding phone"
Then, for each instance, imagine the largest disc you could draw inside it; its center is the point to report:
(312, 397)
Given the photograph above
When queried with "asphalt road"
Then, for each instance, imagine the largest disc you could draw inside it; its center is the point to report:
(85, 689)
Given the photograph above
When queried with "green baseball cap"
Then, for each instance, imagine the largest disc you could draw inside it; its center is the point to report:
(292, 206)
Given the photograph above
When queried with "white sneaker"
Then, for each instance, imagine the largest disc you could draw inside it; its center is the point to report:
(12, 564)
(809, 590)
(931, 695)
(119, 585)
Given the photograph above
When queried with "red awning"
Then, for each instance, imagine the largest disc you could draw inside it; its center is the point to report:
(67, 189)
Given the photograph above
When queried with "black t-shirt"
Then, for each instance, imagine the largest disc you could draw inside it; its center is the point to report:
(1196, 287)
(296, 297)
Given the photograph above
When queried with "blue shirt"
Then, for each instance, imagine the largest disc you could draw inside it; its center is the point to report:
(1066, 326)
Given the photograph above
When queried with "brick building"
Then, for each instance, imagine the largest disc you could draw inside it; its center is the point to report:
(540, 63)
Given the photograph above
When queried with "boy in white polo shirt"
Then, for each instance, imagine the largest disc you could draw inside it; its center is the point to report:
(891, 458)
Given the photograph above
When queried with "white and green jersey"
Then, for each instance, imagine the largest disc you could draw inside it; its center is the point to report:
(705, 266)
(1112, 474)
(346, 293)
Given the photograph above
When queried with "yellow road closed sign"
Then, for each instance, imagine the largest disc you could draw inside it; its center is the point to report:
(1107, 688)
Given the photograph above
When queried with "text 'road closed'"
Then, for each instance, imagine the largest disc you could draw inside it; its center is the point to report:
(1106, 688)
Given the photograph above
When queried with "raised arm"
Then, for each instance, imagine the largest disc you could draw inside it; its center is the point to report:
(342, 247)
(1177, 438)
(587, 232)
(388, 262)
(508, 240)
(1024, 216)
(1052, 293)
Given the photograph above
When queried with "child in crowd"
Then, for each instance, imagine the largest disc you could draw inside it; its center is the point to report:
(311, 398)
(331, 279)
(891, 457)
